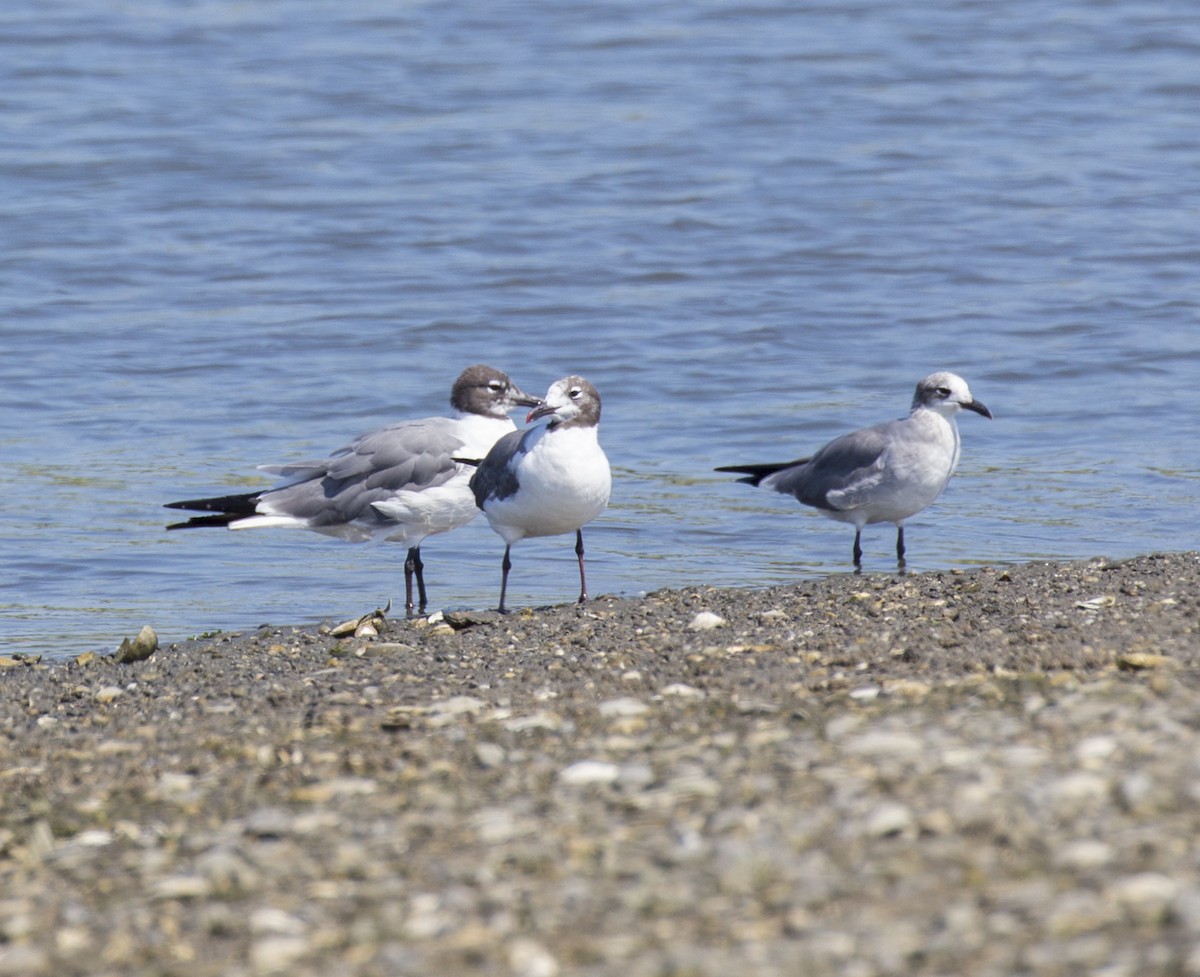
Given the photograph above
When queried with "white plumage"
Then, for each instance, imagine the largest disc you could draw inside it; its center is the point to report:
(547, 480)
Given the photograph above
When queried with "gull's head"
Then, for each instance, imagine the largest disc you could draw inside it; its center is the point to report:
(484, 390)
(569, 401)
(946, 393)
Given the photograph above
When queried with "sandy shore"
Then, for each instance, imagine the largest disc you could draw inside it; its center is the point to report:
(991, 772)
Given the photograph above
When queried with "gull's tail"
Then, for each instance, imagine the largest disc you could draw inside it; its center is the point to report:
(226, 509)
(756, 473)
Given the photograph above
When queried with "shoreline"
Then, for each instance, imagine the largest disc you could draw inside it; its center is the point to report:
(968, 771)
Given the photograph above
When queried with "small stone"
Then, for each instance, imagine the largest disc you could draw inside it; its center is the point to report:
(865, 693)
(888, 743)
(497, 825)
(1146, 897)
(588, 772)
(108, 693)
(22, 960)
(1135, 661)
(1096, 752)
(458, 705)
(539, 720)
(490, 755)
(1086, 853)
(905, 688)
(228, 872)
(140, 648)
(269, 919)
(459, 620)
(622, 707)
(327, 790)
(707, 621)
(528, 958)
(182, 887)
(426, 917)
(277, 954)
(87, 658)
(380, 649)
(683, 691)
(889, 820)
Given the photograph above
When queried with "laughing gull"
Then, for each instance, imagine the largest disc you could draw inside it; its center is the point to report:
(884, 473)
(399, 483)
(549, 479)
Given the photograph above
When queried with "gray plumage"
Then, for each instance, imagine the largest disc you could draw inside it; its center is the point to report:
(400, 483)
(884, 473)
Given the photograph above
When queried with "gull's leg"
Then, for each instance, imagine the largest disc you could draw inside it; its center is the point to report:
(583, 594)
(505, 566)
(419, 570)
(410, 565)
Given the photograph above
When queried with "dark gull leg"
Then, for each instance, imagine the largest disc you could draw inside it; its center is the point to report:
(857, 549)
(505, 566)
(410, 564)
(419, 569)
(900, 546)
(579, 553)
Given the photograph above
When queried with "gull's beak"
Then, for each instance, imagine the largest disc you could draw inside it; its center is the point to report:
(521, 399)
(542, 409)
(979, 408)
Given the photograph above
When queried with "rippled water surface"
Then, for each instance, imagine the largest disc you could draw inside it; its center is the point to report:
(243, 233)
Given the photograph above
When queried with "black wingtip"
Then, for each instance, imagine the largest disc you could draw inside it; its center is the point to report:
(756, 473)
(245, 504)
(225, 509)
(221, 521)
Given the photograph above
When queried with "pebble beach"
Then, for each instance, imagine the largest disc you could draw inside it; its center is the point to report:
(984, 772)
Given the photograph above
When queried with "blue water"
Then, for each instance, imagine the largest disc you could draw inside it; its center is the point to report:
(237, 234)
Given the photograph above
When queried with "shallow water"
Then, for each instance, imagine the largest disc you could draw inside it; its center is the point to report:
(237, 235)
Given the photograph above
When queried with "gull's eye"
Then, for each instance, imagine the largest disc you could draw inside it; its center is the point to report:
(495, 385)
(575, 393)
(943, 392)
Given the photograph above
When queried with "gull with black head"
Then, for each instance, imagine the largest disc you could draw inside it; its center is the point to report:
(885, 473)
(399, 483)
(549, 479)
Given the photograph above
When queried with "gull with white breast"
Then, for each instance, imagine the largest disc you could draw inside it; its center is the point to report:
(885, 473)
(549, 479)
(399, 483)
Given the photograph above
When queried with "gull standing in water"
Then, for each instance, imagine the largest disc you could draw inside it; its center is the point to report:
(884, 473)
(549, 479)
(400, 483)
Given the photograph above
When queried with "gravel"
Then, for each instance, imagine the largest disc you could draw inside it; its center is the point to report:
(984, 772)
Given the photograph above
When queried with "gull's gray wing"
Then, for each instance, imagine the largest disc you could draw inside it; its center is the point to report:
(844, 474)
(410, 456)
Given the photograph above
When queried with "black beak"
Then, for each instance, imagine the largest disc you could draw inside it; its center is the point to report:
(541, 409)
(521, 399)
(979, 408)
